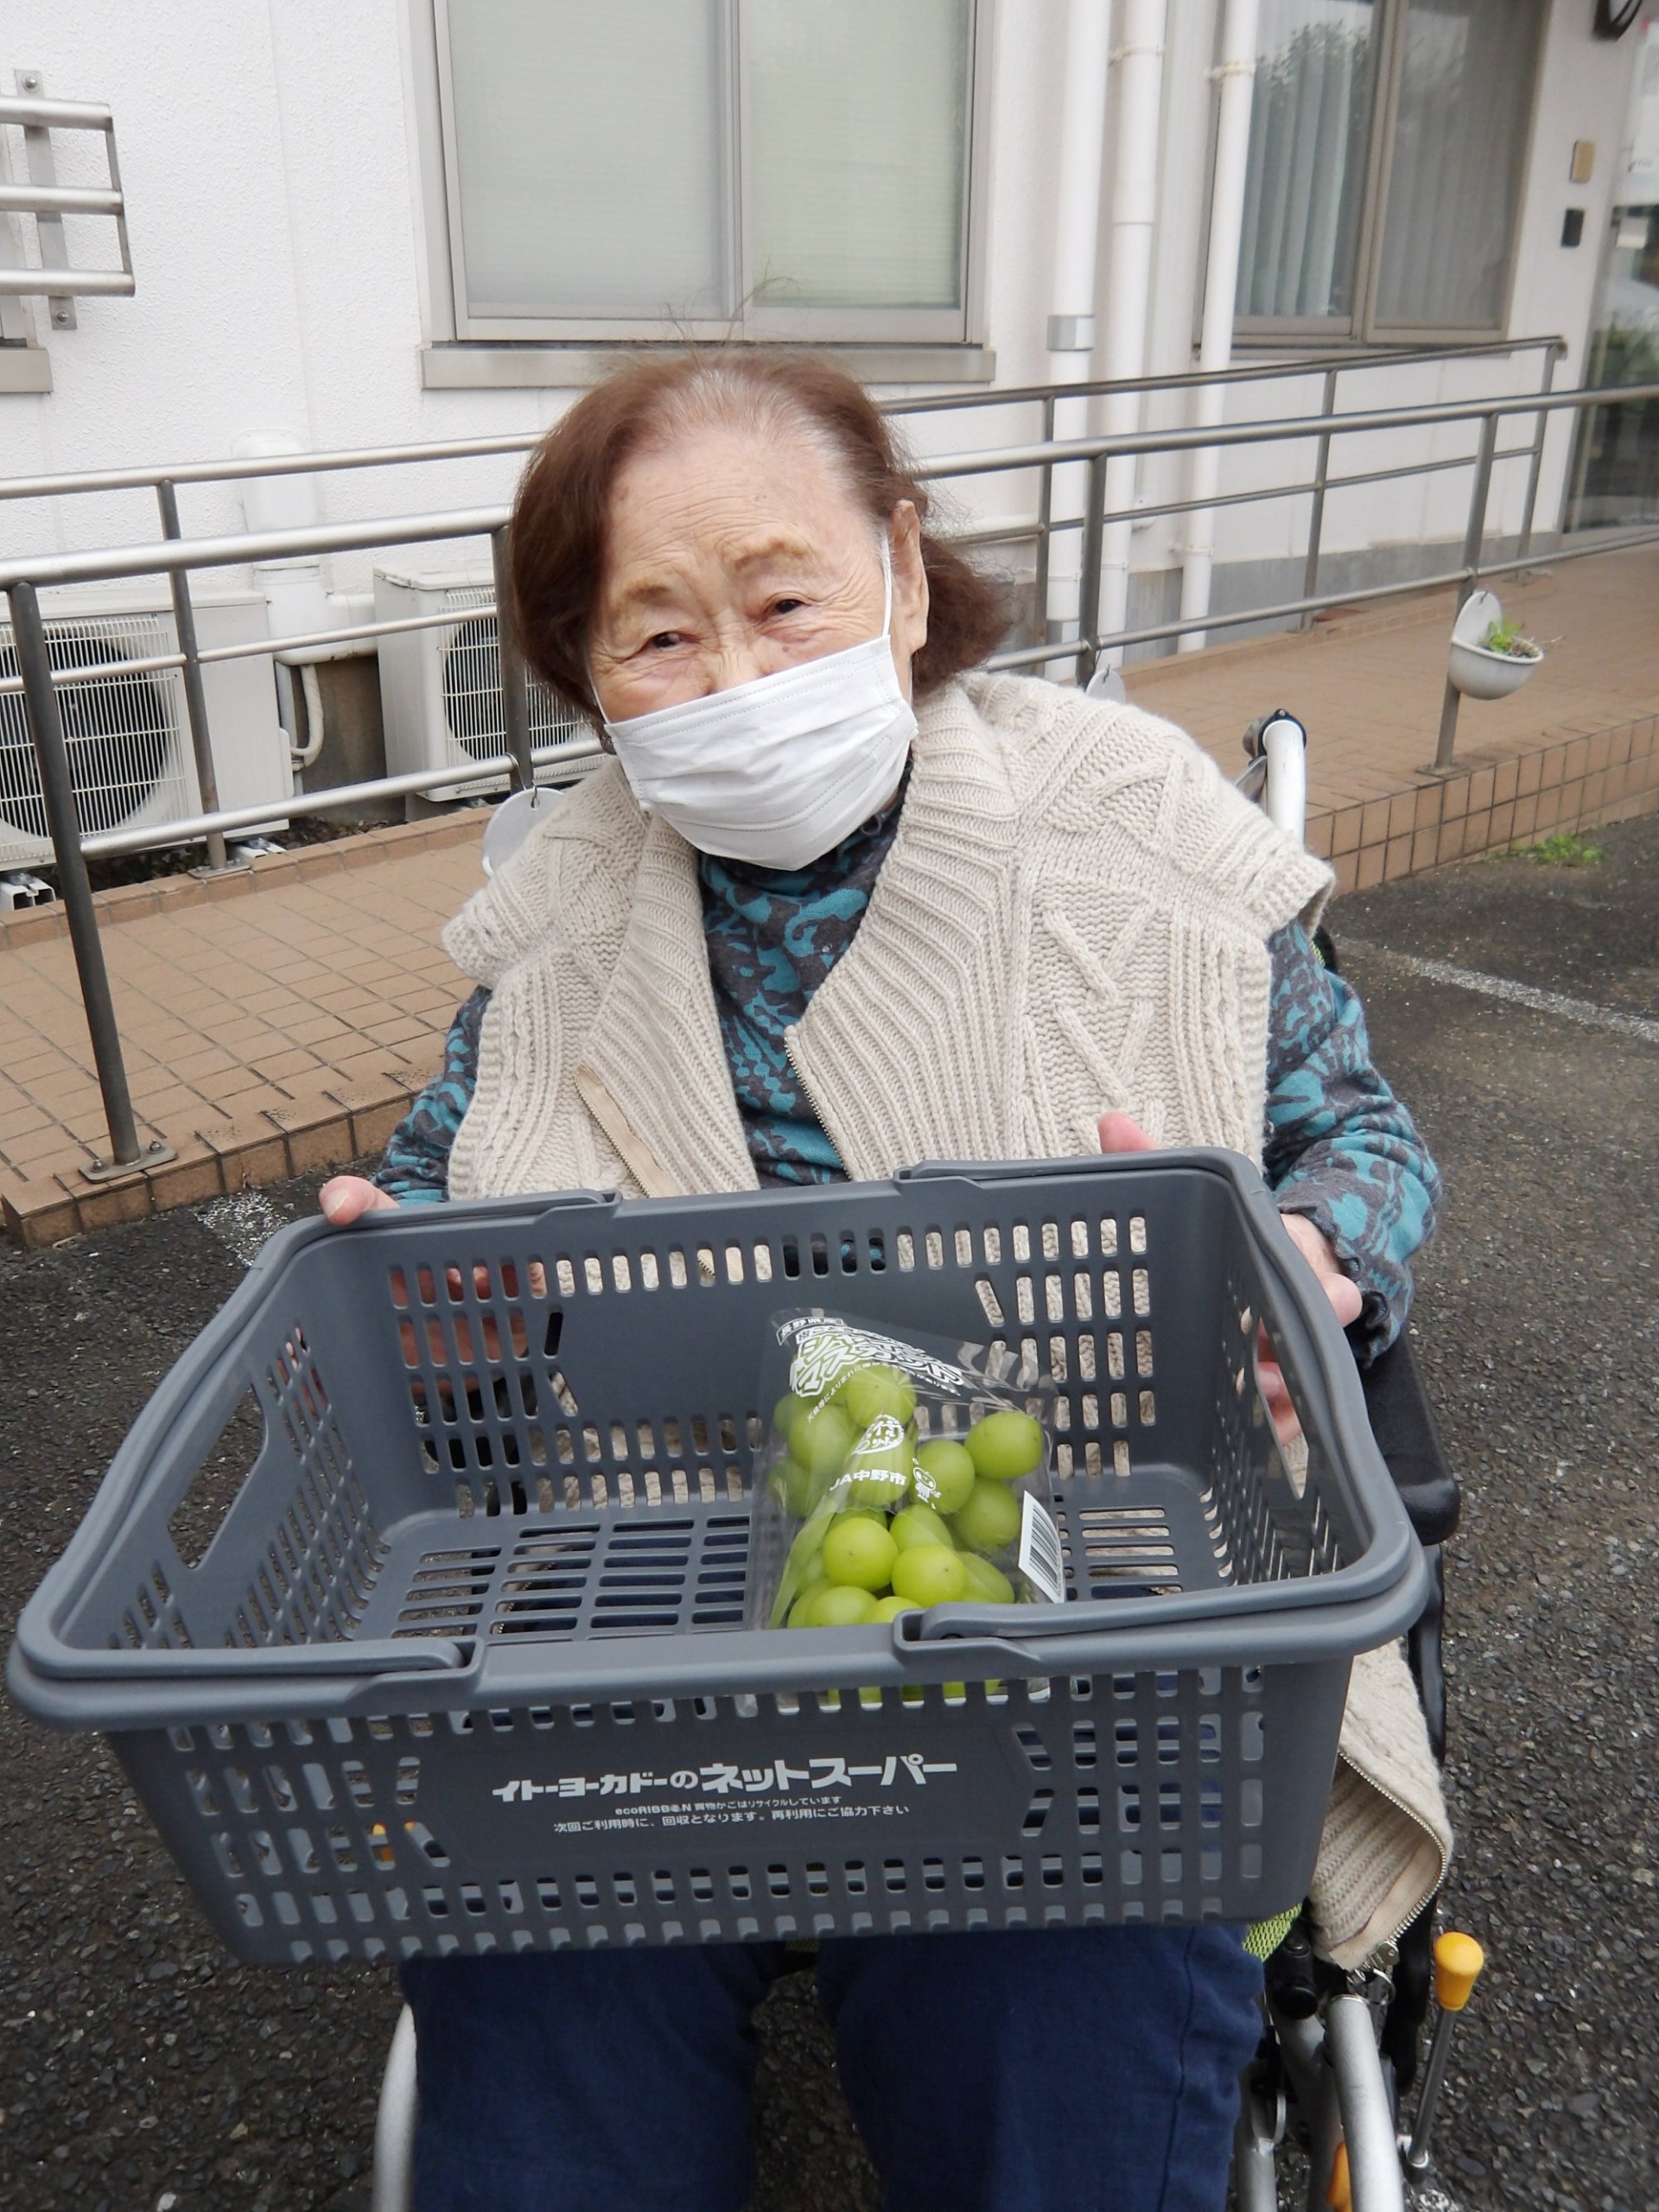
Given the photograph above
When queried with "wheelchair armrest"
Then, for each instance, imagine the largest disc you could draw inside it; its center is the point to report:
(1403, 1425)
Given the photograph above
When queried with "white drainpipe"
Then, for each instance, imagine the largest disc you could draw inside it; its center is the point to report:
(1238, 74)
(295, 597)
(1076, 253)
(1134, 201)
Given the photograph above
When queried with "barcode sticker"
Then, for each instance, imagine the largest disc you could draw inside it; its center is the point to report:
(1040, 1559)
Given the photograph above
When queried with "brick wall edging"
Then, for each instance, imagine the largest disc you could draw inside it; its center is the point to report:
(223, 1161)
(130, 902)
(1578, 782)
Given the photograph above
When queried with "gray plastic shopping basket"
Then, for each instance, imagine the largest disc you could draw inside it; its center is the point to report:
(413, 1604)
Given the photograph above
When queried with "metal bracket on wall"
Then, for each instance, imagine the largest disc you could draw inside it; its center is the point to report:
(49, 201)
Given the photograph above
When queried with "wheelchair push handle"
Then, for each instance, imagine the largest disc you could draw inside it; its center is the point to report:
(1276, 746)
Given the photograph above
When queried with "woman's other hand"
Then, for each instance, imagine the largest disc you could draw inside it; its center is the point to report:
(345, 1198)
(1122, 1133)
(1345, 1303)
(1316, 1248)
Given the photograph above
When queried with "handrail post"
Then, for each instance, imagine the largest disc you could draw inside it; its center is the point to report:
(1040, 635)
(1552, 354)
(1473, 538)
(1316, 521)
(57, 792)
(515, 683)
(195, 699)
(1094, 535)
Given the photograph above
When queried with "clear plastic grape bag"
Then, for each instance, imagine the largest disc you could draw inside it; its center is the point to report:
(897, 1473)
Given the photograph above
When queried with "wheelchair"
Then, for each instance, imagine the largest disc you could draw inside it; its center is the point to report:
(1340, 2052)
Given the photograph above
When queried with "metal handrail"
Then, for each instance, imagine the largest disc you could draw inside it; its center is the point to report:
(166, 557)
(1349, 359)
(579, 755)
(170, 557)
(1075, 649)
(280, 464)
(176, 558)
(73, 481)
(258, 649)
(80, 674)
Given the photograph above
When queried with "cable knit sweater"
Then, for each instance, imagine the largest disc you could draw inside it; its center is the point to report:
(1073, 917)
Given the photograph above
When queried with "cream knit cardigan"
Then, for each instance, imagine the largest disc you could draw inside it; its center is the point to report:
(1073, 917)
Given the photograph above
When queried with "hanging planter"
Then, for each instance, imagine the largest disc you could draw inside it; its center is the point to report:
(1489, 658)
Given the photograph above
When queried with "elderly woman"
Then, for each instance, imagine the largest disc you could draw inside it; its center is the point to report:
(834, 906)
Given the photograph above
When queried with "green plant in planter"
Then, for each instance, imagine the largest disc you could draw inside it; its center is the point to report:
(1508, 638)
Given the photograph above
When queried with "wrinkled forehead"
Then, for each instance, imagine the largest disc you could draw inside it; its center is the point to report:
(735, 492)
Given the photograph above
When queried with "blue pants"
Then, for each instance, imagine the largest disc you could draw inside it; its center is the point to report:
(1076, 2070)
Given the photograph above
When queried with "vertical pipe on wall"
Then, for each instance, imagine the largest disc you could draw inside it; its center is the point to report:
(1076, 253)
(1236, 73)
(1135, 200)
(515, 681)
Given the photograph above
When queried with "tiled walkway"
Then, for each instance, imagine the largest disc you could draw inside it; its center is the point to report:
(275, 1022)
(1578, 743)
(281, 1018)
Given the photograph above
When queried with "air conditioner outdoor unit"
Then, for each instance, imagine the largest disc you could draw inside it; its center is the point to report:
(128, 739)
(441, 688)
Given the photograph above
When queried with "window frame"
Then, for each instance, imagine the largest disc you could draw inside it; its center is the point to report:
(1363, 327)
(959, 326)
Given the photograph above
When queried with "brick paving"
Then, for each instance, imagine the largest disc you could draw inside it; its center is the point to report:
(276, 1020)
(280, 1019)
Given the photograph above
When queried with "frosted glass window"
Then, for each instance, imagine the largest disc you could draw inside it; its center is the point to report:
(1310, 133)
(858, 115)
(588, 142)
(780, 166)
(1454, 180)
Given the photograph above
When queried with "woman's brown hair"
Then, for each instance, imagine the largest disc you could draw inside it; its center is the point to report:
(556, 544)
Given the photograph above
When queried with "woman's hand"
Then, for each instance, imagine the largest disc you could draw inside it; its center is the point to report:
(1346, 1302)
(1122, 1133)
(1315, 1246)
(345, 1198)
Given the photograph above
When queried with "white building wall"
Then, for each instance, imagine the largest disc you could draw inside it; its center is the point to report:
(271, 162)
(269, 169)
(1582, 92)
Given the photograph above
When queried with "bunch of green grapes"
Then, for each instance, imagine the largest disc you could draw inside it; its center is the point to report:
(909, 1524)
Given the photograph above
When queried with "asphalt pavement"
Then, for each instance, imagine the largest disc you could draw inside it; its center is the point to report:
(142, 2070)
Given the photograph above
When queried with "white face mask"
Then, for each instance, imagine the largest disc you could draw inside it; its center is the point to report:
(779, 770)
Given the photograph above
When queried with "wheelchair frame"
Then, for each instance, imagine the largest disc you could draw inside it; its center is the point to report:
(1342, 2050)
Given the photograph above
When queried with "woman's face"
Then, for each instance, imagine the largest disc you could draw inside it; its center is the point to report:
(734, 554)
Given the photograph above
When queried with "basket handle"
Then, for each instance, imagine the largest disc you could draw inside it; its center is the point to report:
(575, 1201)
(199, 1396)
(1207, 1157)
(45, 1654)
(722, 1664)
(1007, 1170)
(203, 1390)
